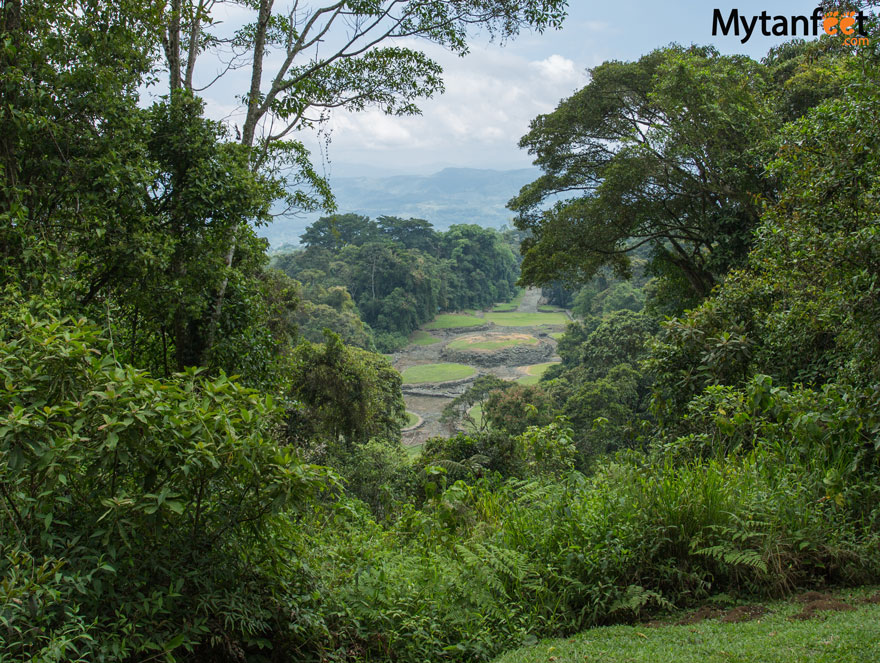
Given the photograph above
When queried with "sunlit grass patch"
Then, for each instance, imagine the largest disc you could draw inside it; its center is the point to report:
(475, 413)
(423, 338)
(436, 373)
(526, 319)
(452, 320)
(534, 373)
(512, 305)
(836, 637)
(414, 451)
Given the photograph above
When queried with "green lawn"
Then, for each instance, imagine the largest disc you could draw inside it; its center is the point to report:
(831, 637)
(423, 338)
(436, 373)
(535, 371)
(471, 344)
(526, 319)
(557, 335)
(411, 419)
(476, 413)
(512, 305)
(450, 320)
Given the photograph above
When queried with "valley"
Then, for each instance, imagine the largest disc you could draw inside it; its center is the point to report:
(509, 344)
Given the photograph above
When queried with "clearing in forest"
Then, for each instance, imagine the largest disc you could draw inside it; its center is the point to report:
(526, 319)
(453, 320)
(436, 373)
(535, 371)
(420, 337)
(491, 341)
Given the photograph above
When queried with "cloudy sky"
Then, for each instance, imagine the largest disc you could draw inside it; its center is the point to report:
(493, 93)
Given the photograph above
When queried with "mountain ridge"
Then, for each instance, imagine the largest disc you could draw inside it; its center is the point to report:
(449, 196)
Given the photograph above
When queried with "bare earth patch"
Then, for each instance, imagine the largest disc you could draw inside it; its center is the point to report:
(705, 612)
(812, 608)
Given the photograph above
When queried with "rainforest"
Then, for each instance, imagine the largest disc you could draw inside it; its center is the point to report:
(641, 421)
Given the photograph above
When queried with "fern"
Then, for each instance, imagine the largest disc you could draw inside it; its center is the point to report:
(734, 557)
(637, 597)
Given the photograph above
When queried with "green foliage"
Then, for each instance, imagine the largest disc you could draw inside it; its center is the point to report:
(344, 395)
(549, 450)
(141, 516)
(517, 407)
(646, 144)
(461, 407)
(400, 273)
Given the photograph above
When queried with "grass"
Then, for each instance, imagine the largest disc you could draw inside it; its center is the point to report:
(832, 637)
(436, 373)
(534, 373)
(414, 450)
(476, 413)
(484, 343)
(411, 419)
(423, 338)
(512, 305)
(526, 319)
(550, 309)
(557, 335)
(452, 320)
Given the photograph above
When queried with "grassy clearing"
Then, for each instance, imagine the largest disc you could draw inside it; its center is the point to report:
(492, 343)
(550, 309)
(423, 338)
(832, 637)
(475, 413)
(452, 320)
(512, 305)
(411, 419)
(414, 450)
(436, 373)
(534, 373)
(557, 335)
(526, 319)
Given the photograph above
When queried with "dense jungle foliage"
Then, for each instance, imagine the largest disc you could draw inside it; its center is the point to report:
(184, 477)
(397, 274)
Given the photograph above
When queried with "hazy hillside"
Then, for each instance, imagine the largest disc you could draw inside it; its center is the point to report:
(453, 195)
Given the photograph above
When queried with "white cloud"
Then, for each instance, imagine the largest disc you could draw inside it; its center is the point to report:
(491, 96)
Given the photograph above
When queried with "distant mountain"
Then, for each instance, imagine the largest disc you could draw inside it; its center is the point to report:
(453, 195)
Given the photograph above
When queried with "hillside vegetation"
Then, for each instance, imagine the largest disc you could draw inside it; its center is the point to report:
(200, 453)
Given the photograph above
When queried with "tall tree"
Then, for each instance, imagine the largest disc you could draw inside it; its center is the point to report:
(346, 55)
(665, 151)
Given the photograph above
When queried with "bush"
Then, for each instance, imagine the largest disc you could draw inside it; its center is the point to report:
(141, 517)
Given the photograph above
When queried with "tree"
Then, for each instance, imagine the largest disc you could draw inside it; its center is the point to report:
(346, 395)
(339, 230)
(665, 151)
(411, 233)
(338, 55)
(804, 310)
